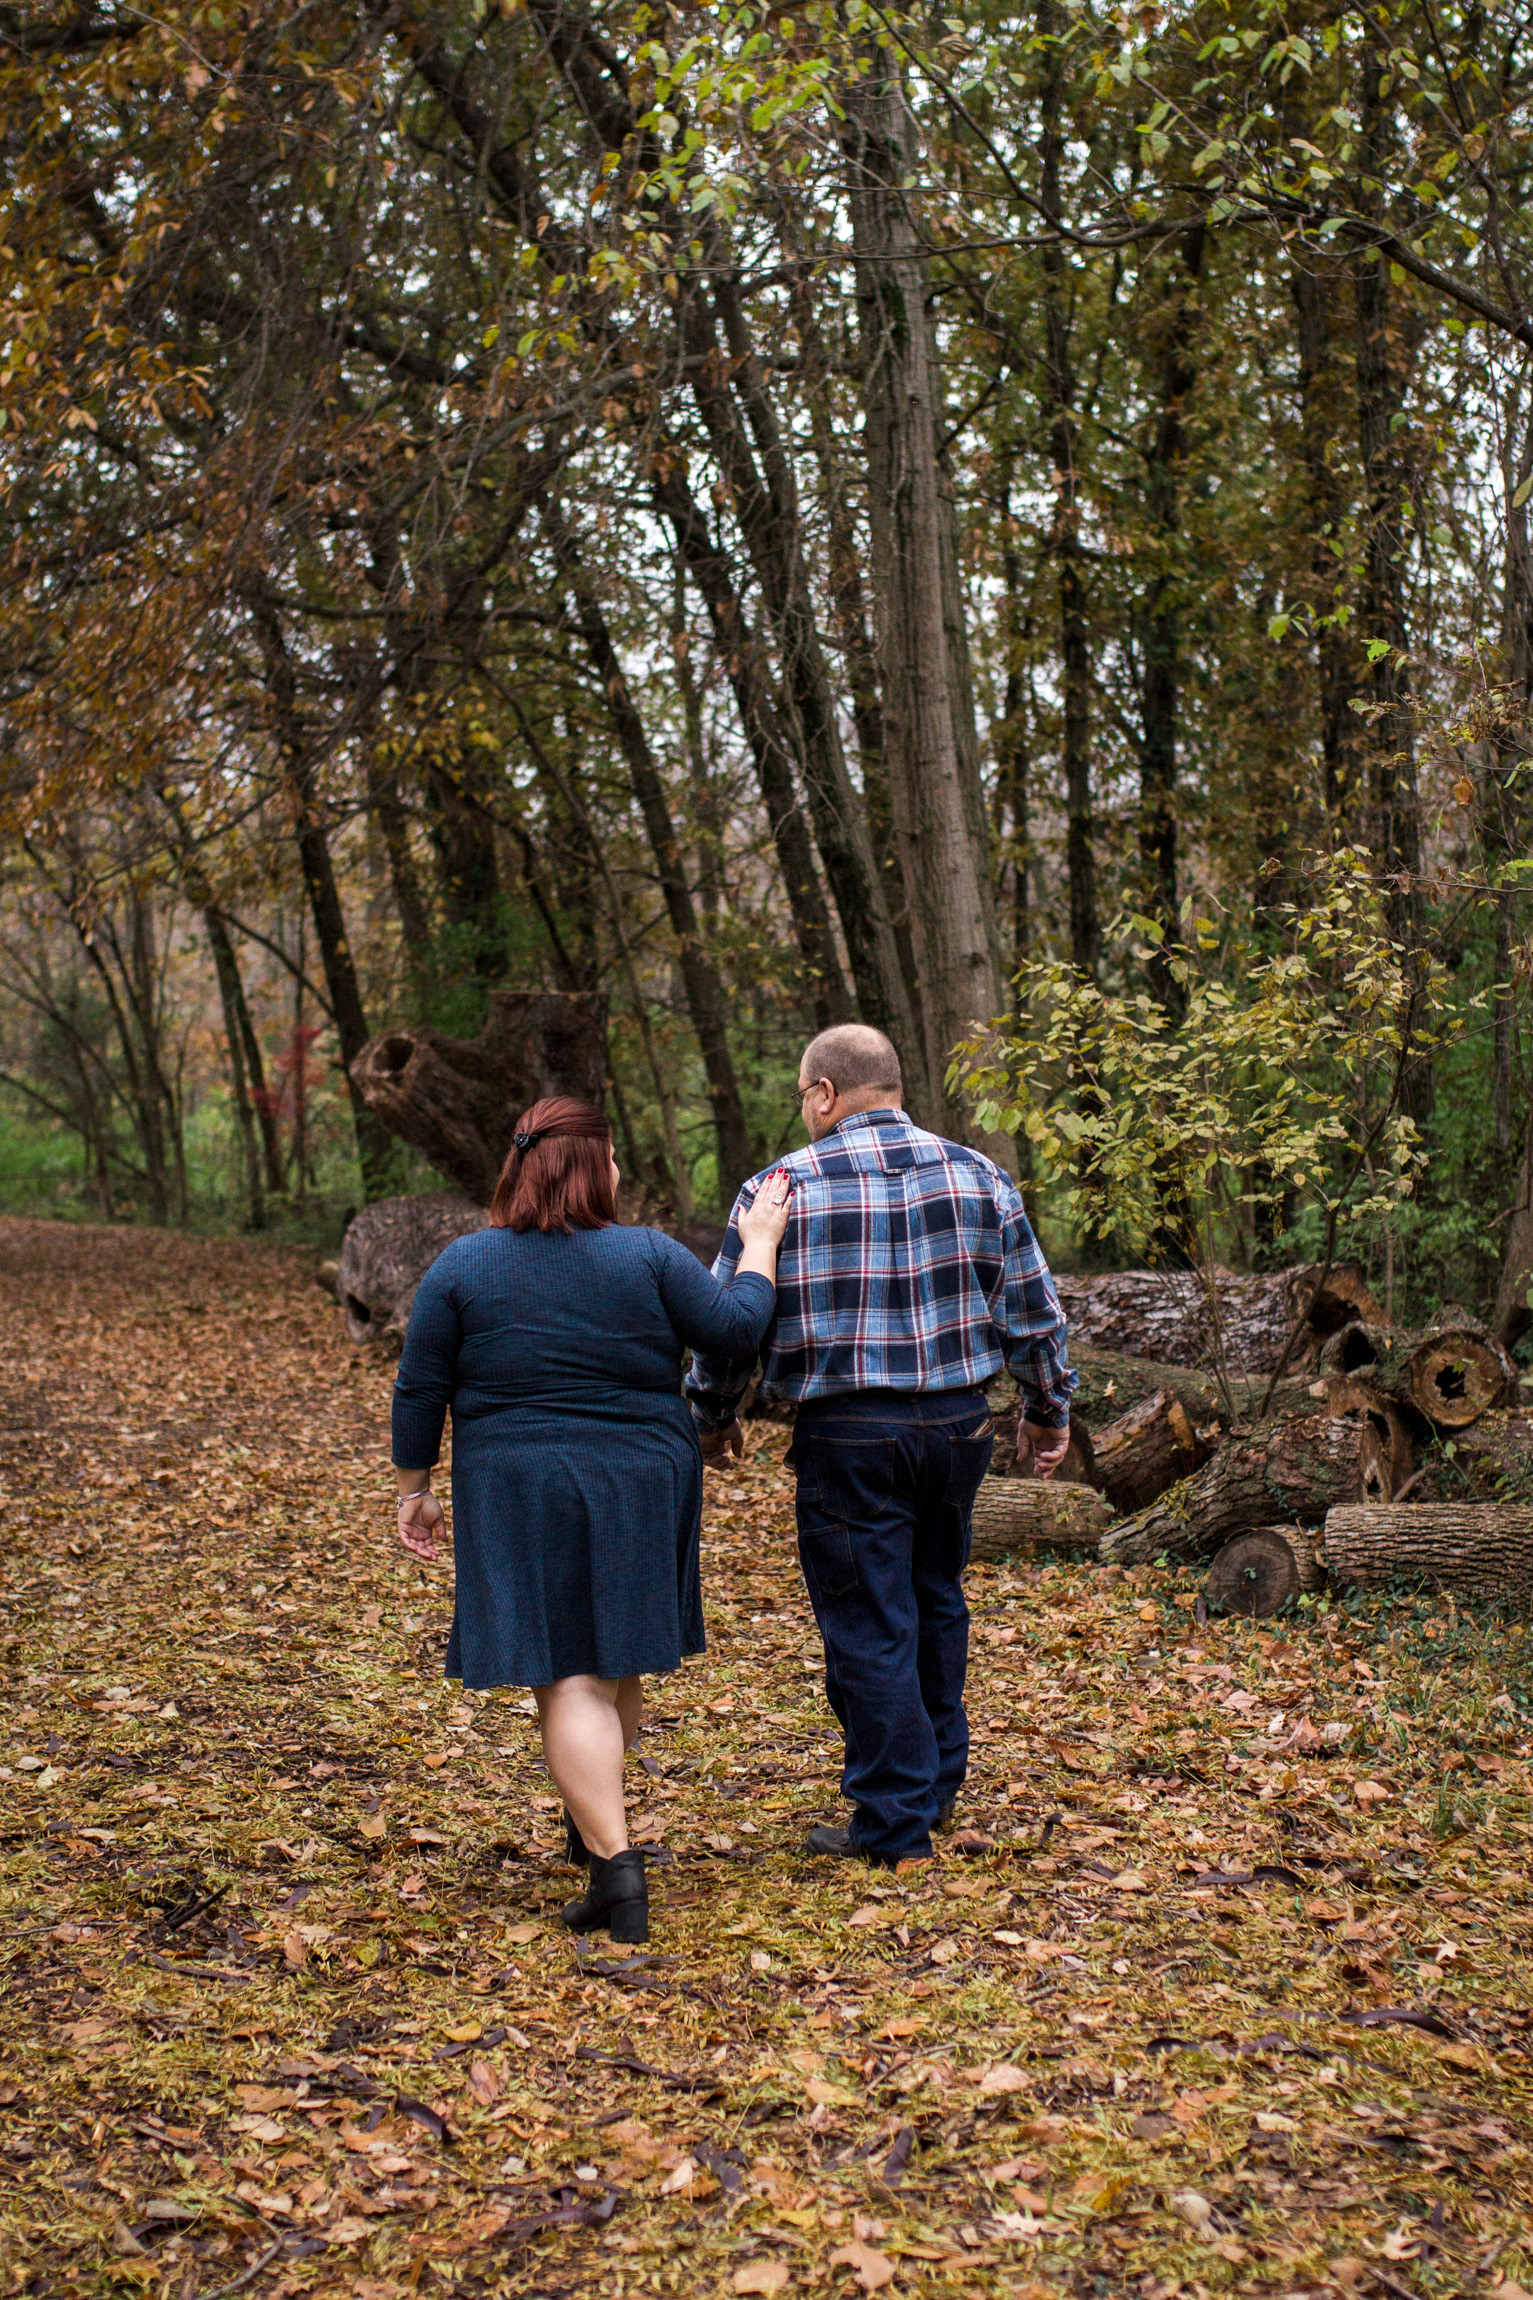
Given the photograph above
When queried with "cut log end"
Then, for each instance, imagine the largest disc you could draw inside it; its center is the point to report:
(1262, 1571)
(1148, 1449)
(1455, 1377)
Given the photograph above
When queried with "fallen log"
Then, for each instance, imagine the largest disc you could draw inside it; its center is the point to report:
(1148, 1449)
(1354, 1394)
(1013, 1513)
(1111, 1385)
(457, 1099)
(1456, 1373)
(1169, 1315)
(1473, 1549)
(1491, 1461)
(1449, 1375)
(1260, 1572)
(1296, 1469)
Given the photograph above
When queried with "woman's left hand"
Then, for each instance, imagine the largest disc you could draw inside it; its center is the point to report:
(421, 1521)
(763, 1222)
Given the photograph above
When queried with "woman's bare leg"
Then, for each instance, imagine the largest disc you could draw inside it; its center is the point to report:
(584, 1739)
(630, 1707)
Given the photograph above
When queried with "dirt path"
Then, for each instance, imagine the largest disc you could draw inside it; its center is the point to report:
(288, 2010)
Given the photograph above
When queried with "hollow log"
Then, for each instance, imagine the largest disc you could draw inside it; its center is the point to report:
(1491, 1461)
(1035, 1513)
(1474, 1549)
(1148, 1449)
(1260, 1572)
(1449, 1375)
(1295, 1469)
(1354, 1394)
(456, 1100)
(1456, 1373)
(1167, 1314)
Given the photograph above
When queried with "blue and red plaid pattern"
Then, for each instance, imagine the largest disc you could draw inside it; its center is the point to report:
(909, 1264)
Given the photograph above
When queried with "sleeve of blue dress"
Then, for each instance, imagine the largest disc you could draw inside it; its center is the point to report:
(720, 1322)
(428, 1372)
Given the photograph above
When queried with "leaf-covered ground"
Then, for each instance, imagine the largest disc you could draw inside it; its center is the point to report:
(1225, 1989)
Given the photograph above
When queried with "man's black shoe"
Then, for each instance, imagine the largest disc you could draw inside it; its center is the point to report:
(825, 1838)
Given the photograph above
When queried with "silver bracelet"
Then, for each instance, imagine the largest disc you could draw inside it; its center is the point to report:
(425, 1494)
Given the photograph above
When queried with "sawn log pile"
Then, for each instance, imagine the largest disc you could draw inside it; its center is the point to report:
(1277, 1428)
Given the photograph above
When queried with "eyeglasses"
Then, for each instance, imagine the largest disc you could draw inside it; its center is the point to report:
(800, 1091)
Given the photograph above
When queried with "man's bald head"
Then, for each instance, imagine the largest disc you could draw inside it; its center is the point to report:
(859, 1064)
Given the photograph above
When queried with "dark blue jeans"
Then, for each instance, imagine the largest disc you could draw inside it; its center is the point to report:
(886, 1486)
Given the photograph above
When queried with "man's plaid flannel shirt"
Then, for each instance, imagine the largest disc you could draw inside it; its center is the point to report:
(909, 1264)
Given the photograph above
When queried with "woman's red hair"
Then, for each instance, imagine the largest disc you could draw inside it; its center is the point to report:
(564, 1181)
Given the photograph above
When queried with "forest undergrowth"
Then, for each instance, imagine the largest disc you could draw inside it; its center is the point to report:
(1221, 1988)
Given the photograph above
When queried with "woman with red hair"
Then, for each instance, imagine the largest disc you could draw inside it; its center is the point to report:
(555, 1337)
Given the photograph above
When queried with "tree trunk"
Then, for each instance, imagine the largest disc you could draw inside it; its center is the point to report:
(230, 995)
(1513, 1313)
(1295, 1469)
(1111, 1384)
(1473, 1549)
(319, 884)
(1395, 805)
(457, 1099)
(740, 654)
(1319, 421)
(1058, 407)
(1162, 623)
(844, 571)
(1166, 1314)
(705, 992)
(1260, 1572)
(1032, 1513)
(1147, 1450)
(771, 521)
(928, 702)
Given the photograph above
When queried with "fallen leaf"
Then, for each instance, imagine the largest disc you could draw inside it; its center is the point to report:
(1002, 2077)
(873, 2270)
(522, 1934)
(760, 2276)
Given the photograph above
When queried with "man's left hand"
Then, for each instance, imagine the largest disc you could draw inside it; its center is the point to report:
(718, 1445)
(1047, 1447)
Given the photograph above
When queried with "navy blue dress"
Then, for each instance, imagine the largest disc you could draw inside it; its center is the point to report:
(577, 1482)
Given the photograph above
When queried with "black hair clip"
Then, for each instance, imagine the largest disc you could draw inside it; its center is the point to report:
(524, 1142)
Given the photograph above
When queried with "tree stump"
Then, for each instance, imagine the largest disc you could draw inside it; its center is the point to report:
(1260, 1572)
(1295, 1469)
(1035, 1513)
(456, 1100)
(1148, 1449)
(1166, 1314)
(1474, 1549)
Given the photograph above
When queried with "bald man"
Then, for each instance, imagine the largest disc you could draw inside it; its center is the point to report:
(909, 1276)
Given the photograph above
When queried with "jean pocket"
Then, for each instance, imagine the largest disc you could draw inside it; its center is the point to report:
(969, 1453)
(830, 1567)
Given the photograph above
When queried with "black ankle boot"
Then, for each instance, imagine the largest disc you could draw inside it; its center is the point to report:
(618, 1898)
(574, 1844)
